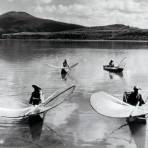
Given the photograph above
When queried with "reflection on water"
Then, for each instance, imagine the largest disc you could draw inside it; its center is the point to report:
(35, 124)
(138, 132)
(74, 123)
(28, 134)
(112, 75)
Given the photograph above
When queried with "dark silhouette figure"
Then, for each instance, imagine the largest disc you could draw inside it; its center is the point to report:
(36, 96)
(65, 64)
(133, 98)
(64, 71)
(111, 63)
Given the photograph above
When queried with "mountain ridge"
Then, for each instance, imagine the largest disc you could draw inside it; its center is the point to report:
(12, 22)
(21, 25)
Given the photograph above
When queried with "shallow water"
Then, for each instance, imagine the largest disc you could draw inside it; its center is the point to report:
(74, 123)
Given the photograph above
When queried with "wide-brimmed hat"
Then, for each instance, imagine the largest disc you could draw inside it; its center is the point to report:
(36, 87)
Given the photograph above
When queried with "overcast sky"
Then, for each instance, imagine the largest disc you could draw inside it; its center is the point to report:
(84, 12)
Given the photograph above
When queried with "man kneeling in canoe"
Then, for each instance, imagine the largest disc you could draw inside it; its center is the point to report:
(36, 96)
(134, 98)
(111, 63)
(65, 68)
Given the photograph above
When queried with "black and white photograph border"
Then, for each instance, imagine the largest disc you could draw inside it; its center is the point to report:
(73, 73)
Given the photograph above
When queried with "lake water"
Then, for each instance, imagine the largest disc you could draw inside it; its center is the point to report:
(74, 123)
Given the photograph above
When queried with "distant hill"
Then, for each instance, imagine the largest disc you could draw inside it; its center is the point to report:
(113, 27)
(21, 25)
(109, 32)
(13, 22)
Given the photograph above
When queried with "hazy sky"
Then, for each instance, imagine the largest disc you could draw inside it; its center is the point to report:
(84, 12)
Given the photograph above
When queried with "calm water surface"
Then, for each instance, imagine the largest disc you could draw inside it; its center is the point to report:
(74, 123)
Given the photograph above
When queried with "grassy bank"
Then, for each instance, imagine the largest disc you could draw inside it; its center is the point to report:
(137, 34)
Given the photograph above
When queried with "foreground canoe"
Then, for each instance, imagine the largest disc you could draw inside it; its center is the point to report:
(112, 69)
(49, 103)
(110, 106)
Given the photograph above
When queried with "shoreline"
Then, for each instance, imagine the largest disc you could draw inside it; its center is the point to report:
(69, 40)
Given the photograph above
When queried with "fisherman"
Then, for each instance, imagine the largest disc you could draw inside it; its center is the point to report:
(64, 69)
(65, 64)
(36, 96)
(133, 98)
(111, 63)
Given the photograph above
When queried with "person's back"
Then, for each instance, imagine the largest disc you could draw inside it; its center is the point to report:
(64, 69)
(133, 98)
(65, 64)
(36, 96)
(111, 63)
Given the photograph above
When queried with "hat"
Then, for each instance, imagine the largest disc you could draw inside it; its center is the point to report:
(136, 88)
(36, 87)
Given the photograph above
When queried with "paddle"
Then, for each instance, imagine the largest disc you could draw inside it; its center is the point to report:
(57, 67)
(70, 67)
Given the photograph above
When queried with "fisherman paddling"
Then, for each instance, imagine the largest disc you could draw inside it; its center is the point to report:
(134, 98)
(64, 69)
(112, 68)
(36, 96)
(111, 63)
(65, 64)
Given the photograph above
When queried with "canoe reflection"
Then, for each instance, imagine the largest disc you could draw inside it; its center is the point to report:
(138, 133)
(35, 125)
(111, 75)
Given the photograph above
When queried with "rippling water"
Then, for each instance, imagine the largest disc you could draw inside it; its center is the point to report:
(74, 123)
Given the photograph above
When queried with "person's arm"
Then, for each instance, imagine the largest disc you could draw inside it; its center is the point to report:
(68, 67)
(30, 101)
(141, 100)
(109, 63)
(124, 97)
